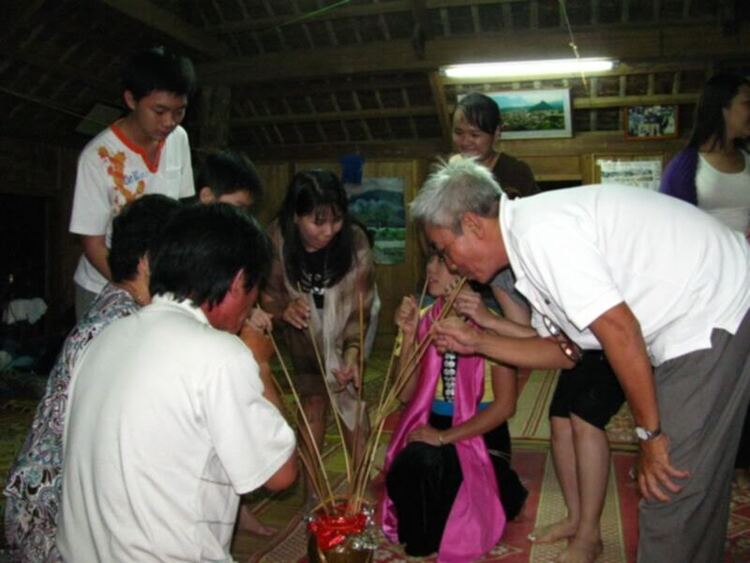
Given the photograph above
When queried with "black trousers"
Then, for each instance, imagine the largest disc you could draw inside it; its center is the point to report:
(423, 482)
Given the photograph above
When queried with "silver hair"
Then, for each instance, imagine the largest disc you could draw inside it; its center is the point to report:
(453, 189)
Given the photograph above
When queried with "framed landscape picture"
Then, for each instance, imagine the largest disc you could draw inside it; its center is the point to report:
(535, 114)
(379, 204)
(651, 122)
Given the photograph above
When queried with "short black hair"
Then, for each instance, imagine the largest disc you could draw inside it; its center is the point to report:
(227, 172)
(158, 69)
(201, 250)
(134, 231)
(481, 111)
(309, 192)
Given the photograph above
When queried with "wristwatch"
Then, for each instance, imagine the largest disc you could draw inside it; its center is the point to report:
(646, 435)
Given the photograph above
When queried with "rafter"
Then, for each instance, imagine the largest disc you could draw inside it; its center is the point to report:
(647, 43)
(46, 61)
(262, 24)
(333, 116)
(441, 107)
(170, 24)
(422, 18)
(15, 14)
(295, 88)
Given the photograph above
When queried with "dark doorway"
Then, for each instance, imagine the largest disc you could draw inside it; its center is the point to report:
(23, 252)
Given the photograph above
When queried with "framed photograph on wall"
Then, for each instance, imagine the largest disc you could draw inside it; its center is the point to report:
(651, 122)
(535, 114)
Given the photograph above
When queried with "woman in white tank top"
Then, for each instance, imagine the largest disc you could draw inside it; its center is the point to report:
(713, 171)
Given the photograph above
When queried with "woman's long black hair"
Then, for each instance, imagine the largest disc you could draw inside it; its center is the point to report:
(709, 122)
(308, 192)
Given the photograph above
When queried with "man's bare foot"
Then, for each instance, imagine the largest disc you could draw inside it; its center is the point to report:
(250, 523)
(581, 551)
(554, 532)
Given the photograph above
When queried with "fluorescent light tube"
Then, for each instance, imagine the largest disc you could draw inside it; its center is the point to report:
(527, 68)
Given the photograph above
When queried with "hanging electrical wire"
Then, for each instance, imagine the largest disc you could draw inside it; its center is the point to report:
(572, 44)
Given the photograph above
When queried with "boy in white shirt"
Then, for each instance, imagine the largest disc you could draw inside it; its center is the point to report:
(145, 152)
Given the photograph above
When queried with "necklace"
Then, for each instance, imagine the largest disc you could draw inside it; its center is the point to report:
(315, 275)
(448, 374)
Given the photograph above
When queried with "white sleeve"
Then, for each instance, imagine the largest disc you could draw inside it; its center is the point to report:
(569, 269)
(250, 436)
(92, 207)
(537, 323)
(187, 184)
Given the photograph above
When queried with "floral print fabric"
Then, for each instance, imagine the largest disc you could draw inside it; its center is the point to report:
(34, 485)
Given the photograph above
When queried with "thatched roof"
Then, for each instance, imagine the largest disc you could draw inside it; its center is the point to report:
(298, 74)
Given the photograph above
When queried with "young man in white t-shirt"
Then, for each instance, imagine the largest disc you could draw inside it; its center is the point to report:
(145, 152)
(649, 280)
(168, 422)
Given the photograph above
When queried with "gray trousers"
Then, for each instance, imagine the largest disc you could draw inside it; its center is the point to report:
(84, 299)
(703, 398)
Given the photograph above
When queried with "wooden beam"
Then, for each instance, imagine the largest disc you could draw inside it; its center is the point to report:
(378, 9)
(445, 22)
(476, 23)
(331, 86)
(686, 8)
(618, 101)
(333, 116)
(403, 148)
(14, 15)
(47, 61)
(645, 44)
(601, 102)
(169, 24)
(677, 82)
(46, 103)
(434, 4)
(655, 10)
(264, 24)
(422, 18)
(441, 108)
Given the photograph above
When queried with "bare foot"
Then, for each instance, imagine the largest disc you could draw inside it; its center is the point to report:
(250, 523)
(581, 551)
(742, 478)
(554, 532)
(526, 514)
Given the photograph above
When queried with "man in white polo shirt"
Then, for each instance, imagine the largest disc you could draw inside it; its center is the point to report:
(167, 424)
(651, 281)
